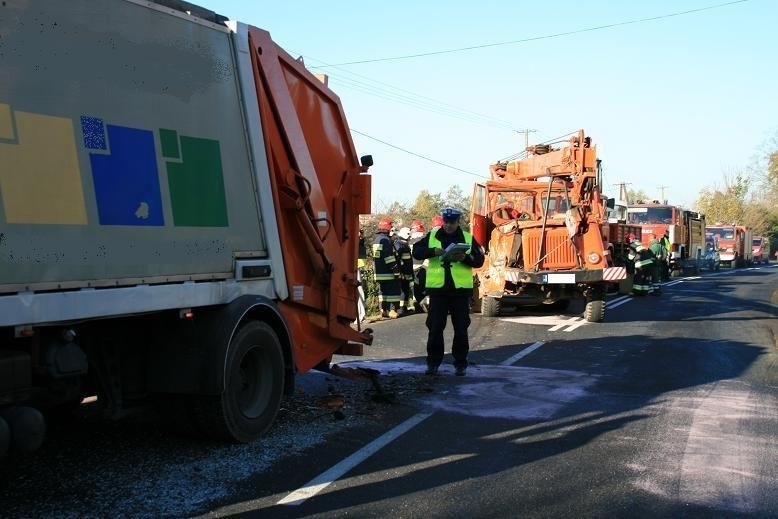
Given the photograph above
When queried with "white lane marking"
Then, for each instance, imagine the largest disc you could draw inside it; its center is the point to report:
(562, 325)
(618, 299)
(542, 320)
(577, 325)
(328, 477)
(523, 353)
(620, 303)
(673, 283)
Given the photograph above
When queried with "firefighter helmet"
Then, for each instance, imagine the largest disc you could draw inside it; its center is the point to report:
(404, 233)
(630, 238)
(437, 221)
(385, 224)
(417, 226)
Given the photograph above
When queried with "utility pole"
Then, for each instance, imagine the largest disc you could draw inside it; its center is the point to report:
(662, 188)
(623, 190)
(526, 132)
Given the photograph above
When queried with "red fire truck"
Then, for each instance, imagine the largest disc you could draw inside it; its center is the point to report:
(735, 243)
(685, 230)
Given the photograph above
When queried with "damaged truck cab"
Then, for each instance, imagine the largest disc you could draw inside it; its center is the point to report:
(541, 221)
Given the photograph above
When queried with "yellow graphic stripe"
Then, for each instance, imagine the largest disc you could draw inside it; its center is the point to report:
(40, 180)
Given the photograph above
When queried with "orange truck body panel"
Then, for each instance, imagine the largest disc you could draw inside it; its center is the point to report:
(314, 172)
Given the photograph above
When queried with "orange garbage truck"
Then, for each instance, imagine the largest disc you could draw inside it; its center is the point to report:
(541, 222)
(179, 222)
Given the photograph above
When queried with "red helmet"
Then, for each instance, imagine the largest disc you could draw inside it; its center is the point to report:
(385, 224)
(437, 221)
(417, 226)
(630, 238)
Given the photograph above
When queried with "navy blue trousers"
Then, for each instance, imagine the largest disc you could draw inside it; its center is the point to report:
(440, 308)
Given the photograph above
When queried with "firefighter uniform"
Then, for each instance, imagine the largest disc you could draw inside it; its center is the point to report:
(402, 250)
(665, 241)
(641, 260)
(385, 268)
(449, 285)
(660, 256)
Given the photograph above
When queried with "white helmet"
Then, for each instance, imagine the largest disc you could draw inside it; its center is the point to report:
(404, 233)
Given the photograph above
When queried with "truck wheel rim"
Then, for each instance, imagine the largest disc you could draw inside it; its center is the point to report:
(254, 383)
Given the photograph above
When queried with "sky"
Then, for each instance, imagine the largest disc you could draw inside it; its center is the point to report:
(677, 102)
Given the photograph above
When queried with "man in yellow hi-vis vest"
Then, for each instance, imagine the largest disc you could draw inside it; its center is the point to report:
(449, 285)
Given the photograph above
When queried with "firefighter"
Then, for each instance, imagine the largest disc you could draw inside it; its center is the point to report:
(449, 286)
(402, 250)
(385, 268)
(419, 266)
(660, 258)
(665, 241)
(639, 261)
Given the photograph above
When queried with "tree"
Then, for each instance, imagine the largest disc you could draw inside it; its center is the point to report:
(455, 198)
(426, 206)
(635, 196)
(727, 204)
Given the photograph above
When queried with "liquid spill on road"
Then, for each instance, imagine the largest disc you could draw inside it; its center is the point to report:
(520, 393)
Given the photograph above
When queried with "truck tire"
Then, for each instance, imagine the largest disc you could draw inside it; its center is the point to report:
(595, 306)
(5, 437)
(253, 388)
(28, 428)
(490, 306)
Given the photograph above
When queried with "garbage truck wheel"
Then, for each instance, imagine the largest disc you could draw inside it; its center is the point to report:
(5, 437)
(253, 387)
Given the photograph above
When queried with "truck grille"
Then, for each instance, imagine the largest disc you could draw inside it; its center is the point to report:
(559, 252)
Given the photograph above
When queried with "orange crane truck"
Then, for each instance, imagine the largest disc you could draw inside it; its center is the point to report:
(178, 220)
(541, 222)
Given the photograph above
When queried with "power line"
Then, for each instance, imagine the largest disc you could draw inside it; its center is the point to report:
(523, 154)
(418, 155)
(543, 37)
(405, 96)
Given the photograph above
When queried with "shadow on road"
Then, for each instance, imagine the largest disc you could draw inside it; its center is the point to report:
(622, 382)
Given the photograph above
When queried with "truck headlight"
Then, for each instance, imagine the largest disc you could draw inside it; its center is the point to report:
(593, 257)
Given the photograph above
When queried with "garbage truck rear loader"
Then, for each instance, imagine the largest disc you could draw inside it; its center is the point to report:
(179, 204)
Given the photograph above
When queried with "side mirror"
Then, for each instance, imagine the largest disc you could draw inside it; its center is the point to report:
(610, 203)
(366, 161)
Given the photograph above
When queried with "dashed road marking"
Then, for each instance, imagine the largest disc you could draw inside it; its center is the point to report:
(523, 353)
(562, 325)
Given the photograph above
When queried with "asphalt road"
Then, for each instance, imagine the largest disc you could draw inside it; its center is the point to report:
(669, 408)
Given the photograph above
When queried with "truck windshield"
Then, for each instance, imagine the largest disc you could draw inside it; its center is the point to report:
(757, 242)
(724, 233)
(644, 215)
